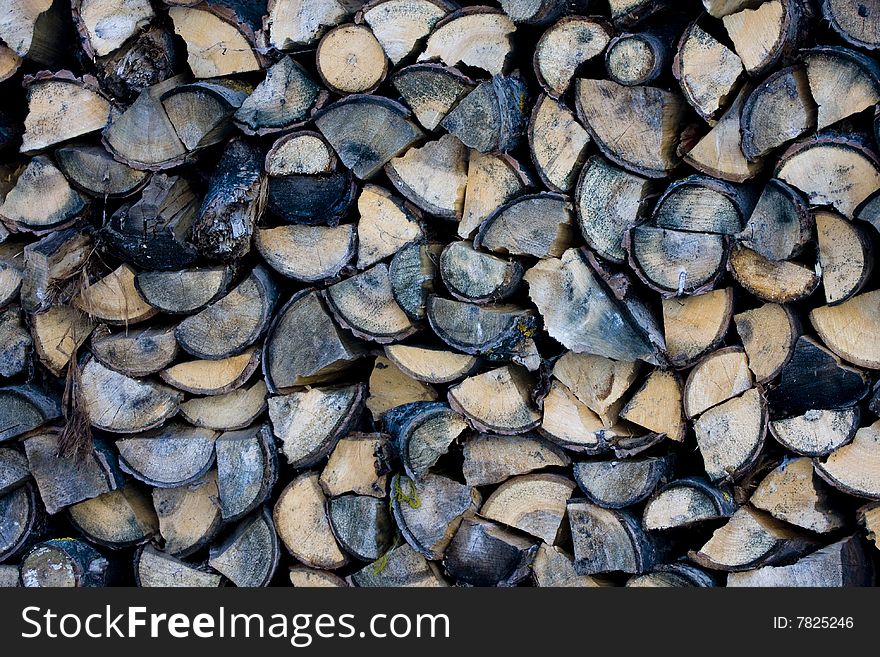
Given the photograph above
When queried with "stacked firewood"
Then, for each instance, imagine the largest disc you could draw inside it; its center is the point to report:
(417, 293)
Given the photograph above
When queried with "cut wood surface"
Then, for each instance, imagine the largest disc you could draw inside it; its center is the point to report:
(371, 293)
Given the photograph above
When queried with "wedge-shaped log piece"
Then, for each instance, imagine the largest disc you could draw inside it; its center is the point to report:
(93, 170)
(358, 464)
(41, 199)
(283, 100)
(202, 30)
(635, 127)
(234, 322)
(292, 23)
(534, 504)
(844, 255)
(554, 568)
(63, 481)
(143, 136)
(390, 387)
(848, 329)
(115, 299)
(768, 334)
(367, 132)
(137, 352)
(13, 469)
(34, 30)
(401, 566)
(497, 401)
(856, 24)
(303, 526)
(751, 539)
(491, 117)
(118, 519)
(676, 262)
(189, 515)
(843, 82)
(813, 379)
(608, 541)
(609, 201)
(235, 199)
(304, 577)
(213, 377)
(365, 305)
(698, 52)
(564, 47)
(362, 524)
(630, 12)
(306, 253)
(351, 60)
(793, 493)
(201, 113)
(153, 232)
(309, 423)
(413, 271)
(557, 142)
(64, 562)
(428, 511)
(58, 333)
(86, 110)
(841, 564)
(305, 346)
(386, 224)
(685, 503)
(227, 412)
(598, 382)
(538, 225)
(805, 164)
(182, 292)
(430, 90)
(15, 342)
(433, 177)
(471, 275)
(154, 568)
(22, 522)
(781, 281)
(494, 331)
(491, 459)
(106, 26)
(249, 556)
(146, 59)
(431, 365)
(657, 406)
(120, 404)
(705, 205)
(817, 432)
(778, 111)
(581, 314)
(855, 468)
(720, 376)
(24, 408)
(493, 180)
(570, 424)
(172, 456)
(474, 36)
(781, 223)
(675, 575)
(422, 433)
(485, 554)
(247, 469)
(764, 35)
(695, 325)
(730, 436)
(619, 484)
(401, 25)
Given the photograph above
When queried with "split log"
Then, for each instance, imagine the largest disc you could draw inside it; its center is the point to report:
(359, 465)
(13, 469)
(629, 12)
(58, 333)
(568, 422)
(718, 377)
(780, 224)
(64, 562)
(135, 354)
(749, 540)
(817, 432)
(782, 281)
(362, 525)
(104, 27)
(471, 275)
(844, 327)
(306, 253)
(638, 58)
(22, 521)
(16, 343)
(249, 556)
(686, 502)
(387, 224)
(538, 225)
(493, 181)
(433, 177)
(497, 401)
(24, 408)
(533, 503)
(842, 82)
(402, 25)
(554, 568)
(213, 377)
(656, 406)
(768, 334)
(730, 436)
(189, 515)
(301, 576)
(390, 387)
(401, 566)
(202, 112)
(413, 271)
(485, 554)
(475, 36)
(853, 468)
(599, 383)
(491, 459)
(118, 519)
(844, 256)
(422, 432)
(868, 517)
(202, 29)
(695, 325)
(608, 541)
(430, 90)
(143, 61)
(182, 292)
(310, 422)
(153, 568)
(492, 117)
(431, 365)
(764, 35)
(230, 411)
(91, 169)
(673, 575)
(855, 24)
(303, 526)
(564, 47)
(42, 199)
(169, 457)
(841, 564)
(292, 23)
(557, 143)
(619, 484)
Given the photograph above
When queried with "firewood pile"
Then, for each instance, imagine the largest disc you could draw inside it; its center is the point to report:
(417, 293)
